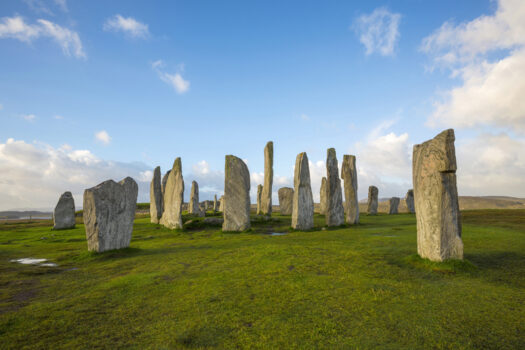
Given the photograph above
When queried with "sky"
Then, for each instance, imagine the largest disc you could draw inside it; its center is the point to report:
(97, 90)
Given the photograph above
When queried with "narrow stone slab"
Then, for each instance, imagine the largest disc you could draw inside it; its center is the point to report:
(259, 199)
(236, 202)
(173, 197)
(266, 195)
(285, 200)
(164, 180)
(193, 206)
(109, 211)
(156, 202)
(373, 193)
(303, 202)
(349, 176)
(409, 200)
(393, 205)
(64, 213)
(335, 215)
(436, 198)
(322, 203)
(215, 205)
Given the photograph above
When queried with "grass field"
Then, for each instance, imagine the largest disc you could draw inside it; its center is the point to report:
(357, 287)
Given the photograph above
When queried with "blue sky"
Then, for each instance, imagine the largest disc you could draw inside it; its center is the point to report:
(201, 79)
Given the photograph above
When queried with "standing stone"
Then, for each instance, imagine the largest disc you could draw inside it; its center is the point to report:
(236, 202)
(373, 193)
(266, 196)
(322, 204)
(155, 197)
(221, 203)
(303, 201)
(109, 210)
(259, 199)
(164, 180)
(349, 175)
(64, 213)
(285, 200)
(409, 199)
(436, 198)
(193, 205)
(393, 205)
(215, 208)
(173, 197)
(335, 215)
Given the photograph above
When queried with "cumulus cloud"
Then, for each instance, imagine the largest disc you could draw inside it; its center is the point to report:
(34, 175)
(129, 26)
(17, 28)
(491, 90)
(175, 80)
(103, 137)
(378, 31)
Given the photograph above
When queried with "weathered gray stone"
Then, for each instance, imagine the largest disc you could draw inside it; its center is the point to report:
(236, 202)
(285, 200)
(349, 175)
(303, 202)
(409, 200)
(221, 203)
(215, 205)
(213, 221)
(194, 206)
(393, 205)
(109, 210)
(173, 197)
(373, 193)
(266, 195)
(156, 201)
(322, 203)
(164, 180)
(335, 215)
(64, 213)
(258, 211)
(436, 198)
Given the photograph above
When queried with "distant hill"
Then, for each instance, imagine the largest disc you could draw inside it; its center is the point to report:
(15, 214)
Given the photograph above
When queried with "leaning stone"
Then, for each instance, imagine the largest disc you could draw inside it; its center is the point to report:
(236, 202)
(436, 198)
(173, 197)
(393, 205)
(266, 195)
(109, 210)
(322, 204)
(372, 200)
(303, 202)
(64, 213)
(155, 197)
(194, 207)
(349, 175)
(285, 200)
(259, 198)
(335, 215)
(409, 199)
(164, 180)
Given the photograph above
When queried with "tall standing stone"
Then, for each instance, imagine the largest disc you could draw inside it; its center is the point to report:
(155, 197)
(236, 201)
(173, 197)
(221, 203)
(259, 199)
(322, 204)
(373, 193)
(64, 213)
(393, 205)
(349, 175)
(285, 200)
(303, 201)
(409, 200)
(215, 208)
(335, 215)
(109, 210)
(266, 197)
(164, 180)
(193, 206)
(436, 198)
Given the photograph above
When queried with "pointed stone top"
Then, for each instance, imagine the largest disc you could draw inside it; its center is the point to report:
(177, 165)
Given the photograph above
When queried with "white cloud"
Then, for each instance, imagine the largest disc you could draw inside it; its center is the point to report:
(38, 6)
(378, 31)
(35, 175)
(129, 26)
(62, 4)
(28, 117)
(103, 137)
(175, 80)
(16, 28)
(491, 91)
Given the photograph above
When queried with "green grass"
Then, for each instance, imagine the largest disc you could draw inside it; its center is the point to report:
(358, 287)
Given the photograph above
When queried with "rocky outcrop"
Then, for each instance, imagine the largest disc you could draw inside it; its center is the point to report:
(303, 202)
(373, 193)
(334, 198)
(64, 213)
(349, 176)
(236, 201)
(173, 197)
(285, 200)
(109, 210)
(156, 202)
